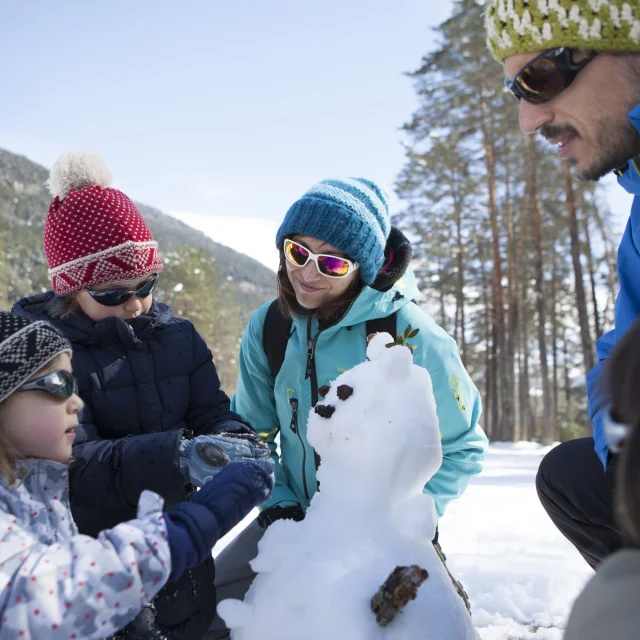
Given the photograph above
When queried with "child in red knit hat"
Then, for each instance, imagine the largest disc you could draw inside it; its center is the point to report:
(155, 416)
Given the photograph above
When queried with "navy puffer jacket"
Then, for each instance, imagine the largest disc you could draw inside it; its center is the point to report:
(145, 384)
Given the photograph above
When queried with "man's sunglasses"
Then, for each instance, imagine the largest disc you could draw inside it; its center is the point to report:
(116, 297)
(61, 384)
(548, 74)
(328, 265)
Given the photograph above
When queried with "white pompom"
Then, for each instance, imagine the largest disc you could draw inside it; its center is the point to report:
(76, 169)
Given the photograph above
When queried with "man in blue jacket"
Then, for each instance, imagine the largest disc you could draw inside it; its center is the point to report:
(574, 66)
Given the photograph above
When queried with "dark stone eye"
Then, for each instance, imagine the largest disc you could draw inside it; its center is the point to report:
(323, 390)
(344, 391)
(324, 410)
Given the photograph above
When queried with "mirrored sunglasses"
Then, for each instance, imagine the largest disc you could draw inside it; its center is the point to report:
(328, 265)
(61, 384)
(116, 297)
(547, 75)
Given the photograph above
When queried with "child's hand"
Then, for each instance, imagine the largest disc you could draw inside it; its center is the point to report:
(203, 457)
(236, 490)
(193, 527)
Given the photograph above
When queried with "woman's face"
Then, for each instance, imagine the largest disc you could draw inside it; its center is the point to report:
(131, 309)
(312, 289)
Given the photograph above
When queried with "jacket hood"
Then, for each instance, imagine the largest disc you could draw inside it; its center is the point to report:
(394, 287)
(630, 178)
(80, 329)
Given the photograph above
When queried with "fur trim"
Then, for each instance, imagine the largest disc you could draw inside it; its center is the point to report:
(76, 169)
(402, 253)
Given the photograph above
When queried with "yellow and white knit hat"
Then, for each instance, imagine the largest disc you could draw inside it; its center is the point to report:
(526, 26)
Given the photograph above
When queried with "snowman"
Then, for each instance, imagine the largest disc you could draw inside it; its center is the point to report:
(377, 434)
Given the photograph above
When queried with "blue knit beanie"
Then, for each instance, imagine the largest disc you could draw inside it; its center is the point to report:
(352, 214)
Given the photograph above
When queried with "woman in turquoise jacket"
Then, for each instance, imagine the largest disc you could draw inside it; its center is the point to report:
(344, 272)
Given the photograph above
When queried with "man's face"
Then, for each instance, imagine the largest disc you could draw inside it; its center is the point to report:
(588, 120)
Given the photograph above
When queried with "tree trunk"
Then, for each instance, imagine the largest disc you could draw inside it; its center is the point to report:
(512, 317)
(581, 302)
(441, 294)
(567, 377)
(554, 334)
(503, 418)
(488, 375)
(548, 428)
(585, 219)
(610, 256)
(460, 279)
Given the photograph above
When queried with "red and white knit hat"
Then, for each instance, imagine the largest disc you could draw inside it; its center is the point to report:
(93, 234)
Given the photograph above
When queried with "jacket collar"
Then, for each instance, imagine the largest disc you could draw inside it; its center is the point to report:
(629, 176)
(79, 328)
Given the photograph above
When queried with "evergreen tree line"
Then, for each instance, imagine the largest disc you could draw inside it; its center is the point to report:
(515, 256)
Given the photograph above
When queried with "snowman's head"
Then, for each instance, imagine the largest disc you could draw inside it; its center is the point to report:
(377, 425)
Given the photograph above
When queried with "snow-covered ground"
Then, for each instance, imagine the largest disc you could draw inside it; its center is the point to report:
(520, 573)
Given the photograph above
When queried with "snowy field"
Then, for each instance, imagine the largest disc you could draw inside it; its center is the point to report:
(520, 573)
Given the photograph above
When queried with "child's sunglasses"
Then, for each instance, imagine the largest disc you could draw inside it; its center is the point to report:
(61, 384)
(547, 75)
(116, 297)
(329, 266)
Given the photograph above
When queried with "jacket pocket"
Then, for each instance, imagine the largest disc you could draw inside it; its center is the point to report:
(295, 429)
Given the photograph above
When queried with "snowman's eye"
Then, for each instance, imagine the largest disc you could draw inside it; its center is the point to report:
(344, 391)
(323, 390)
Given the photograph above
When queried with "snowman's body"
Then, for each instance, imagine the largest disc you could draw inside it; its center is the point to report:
(316, 578)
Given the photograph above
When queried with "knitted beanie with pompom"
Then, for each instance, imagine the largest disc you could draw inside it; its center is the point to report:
(93, 234)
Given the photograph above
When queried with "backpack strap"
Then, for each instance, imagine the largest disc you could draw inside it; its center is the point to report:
(383, 325)
(275, 335)
(277, 329)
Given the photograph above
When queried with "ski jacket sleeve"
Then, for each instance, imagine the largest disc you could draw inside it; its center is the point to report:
(597, 396)
(458, 406)
(81, 587)
(114, 472)
(627, 310)
(255, 401)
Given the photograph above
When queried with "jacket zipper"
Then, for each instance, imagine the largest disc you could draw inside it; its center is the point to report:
(296, 430)
(311, 372)
(311, 364)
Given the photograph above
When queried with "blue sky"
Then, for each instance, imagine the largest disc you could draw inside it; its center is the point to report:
(225, 110)
(228, 108)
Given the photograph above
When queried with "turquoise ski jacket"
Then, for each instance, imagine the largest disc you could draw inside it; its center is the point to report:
(282, 405)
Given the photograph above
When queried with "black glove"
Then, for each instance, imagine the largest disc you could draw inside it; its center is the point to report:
(269, 516)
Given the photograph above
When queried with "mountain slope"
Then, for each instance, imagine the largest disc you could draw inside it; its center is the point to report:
(212, 285)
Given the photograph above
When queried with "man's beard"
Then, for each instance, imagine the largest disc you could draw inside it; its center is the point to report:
(616, 146)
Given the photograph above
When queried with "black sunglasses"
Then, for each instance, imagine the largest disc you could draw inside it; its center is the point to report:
(547, 75)
(61, 384)
(116, 297)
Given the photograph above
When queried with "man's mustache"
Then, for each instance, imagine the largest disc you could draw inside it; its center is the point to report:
(550, 131)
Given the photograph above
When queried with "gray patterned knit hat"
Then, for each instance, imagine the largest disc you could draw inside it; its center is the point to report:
(25, 347)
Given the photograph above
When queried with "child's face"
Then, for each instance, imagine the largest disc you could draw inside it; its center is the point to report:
(38, 424)
(131, 309)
